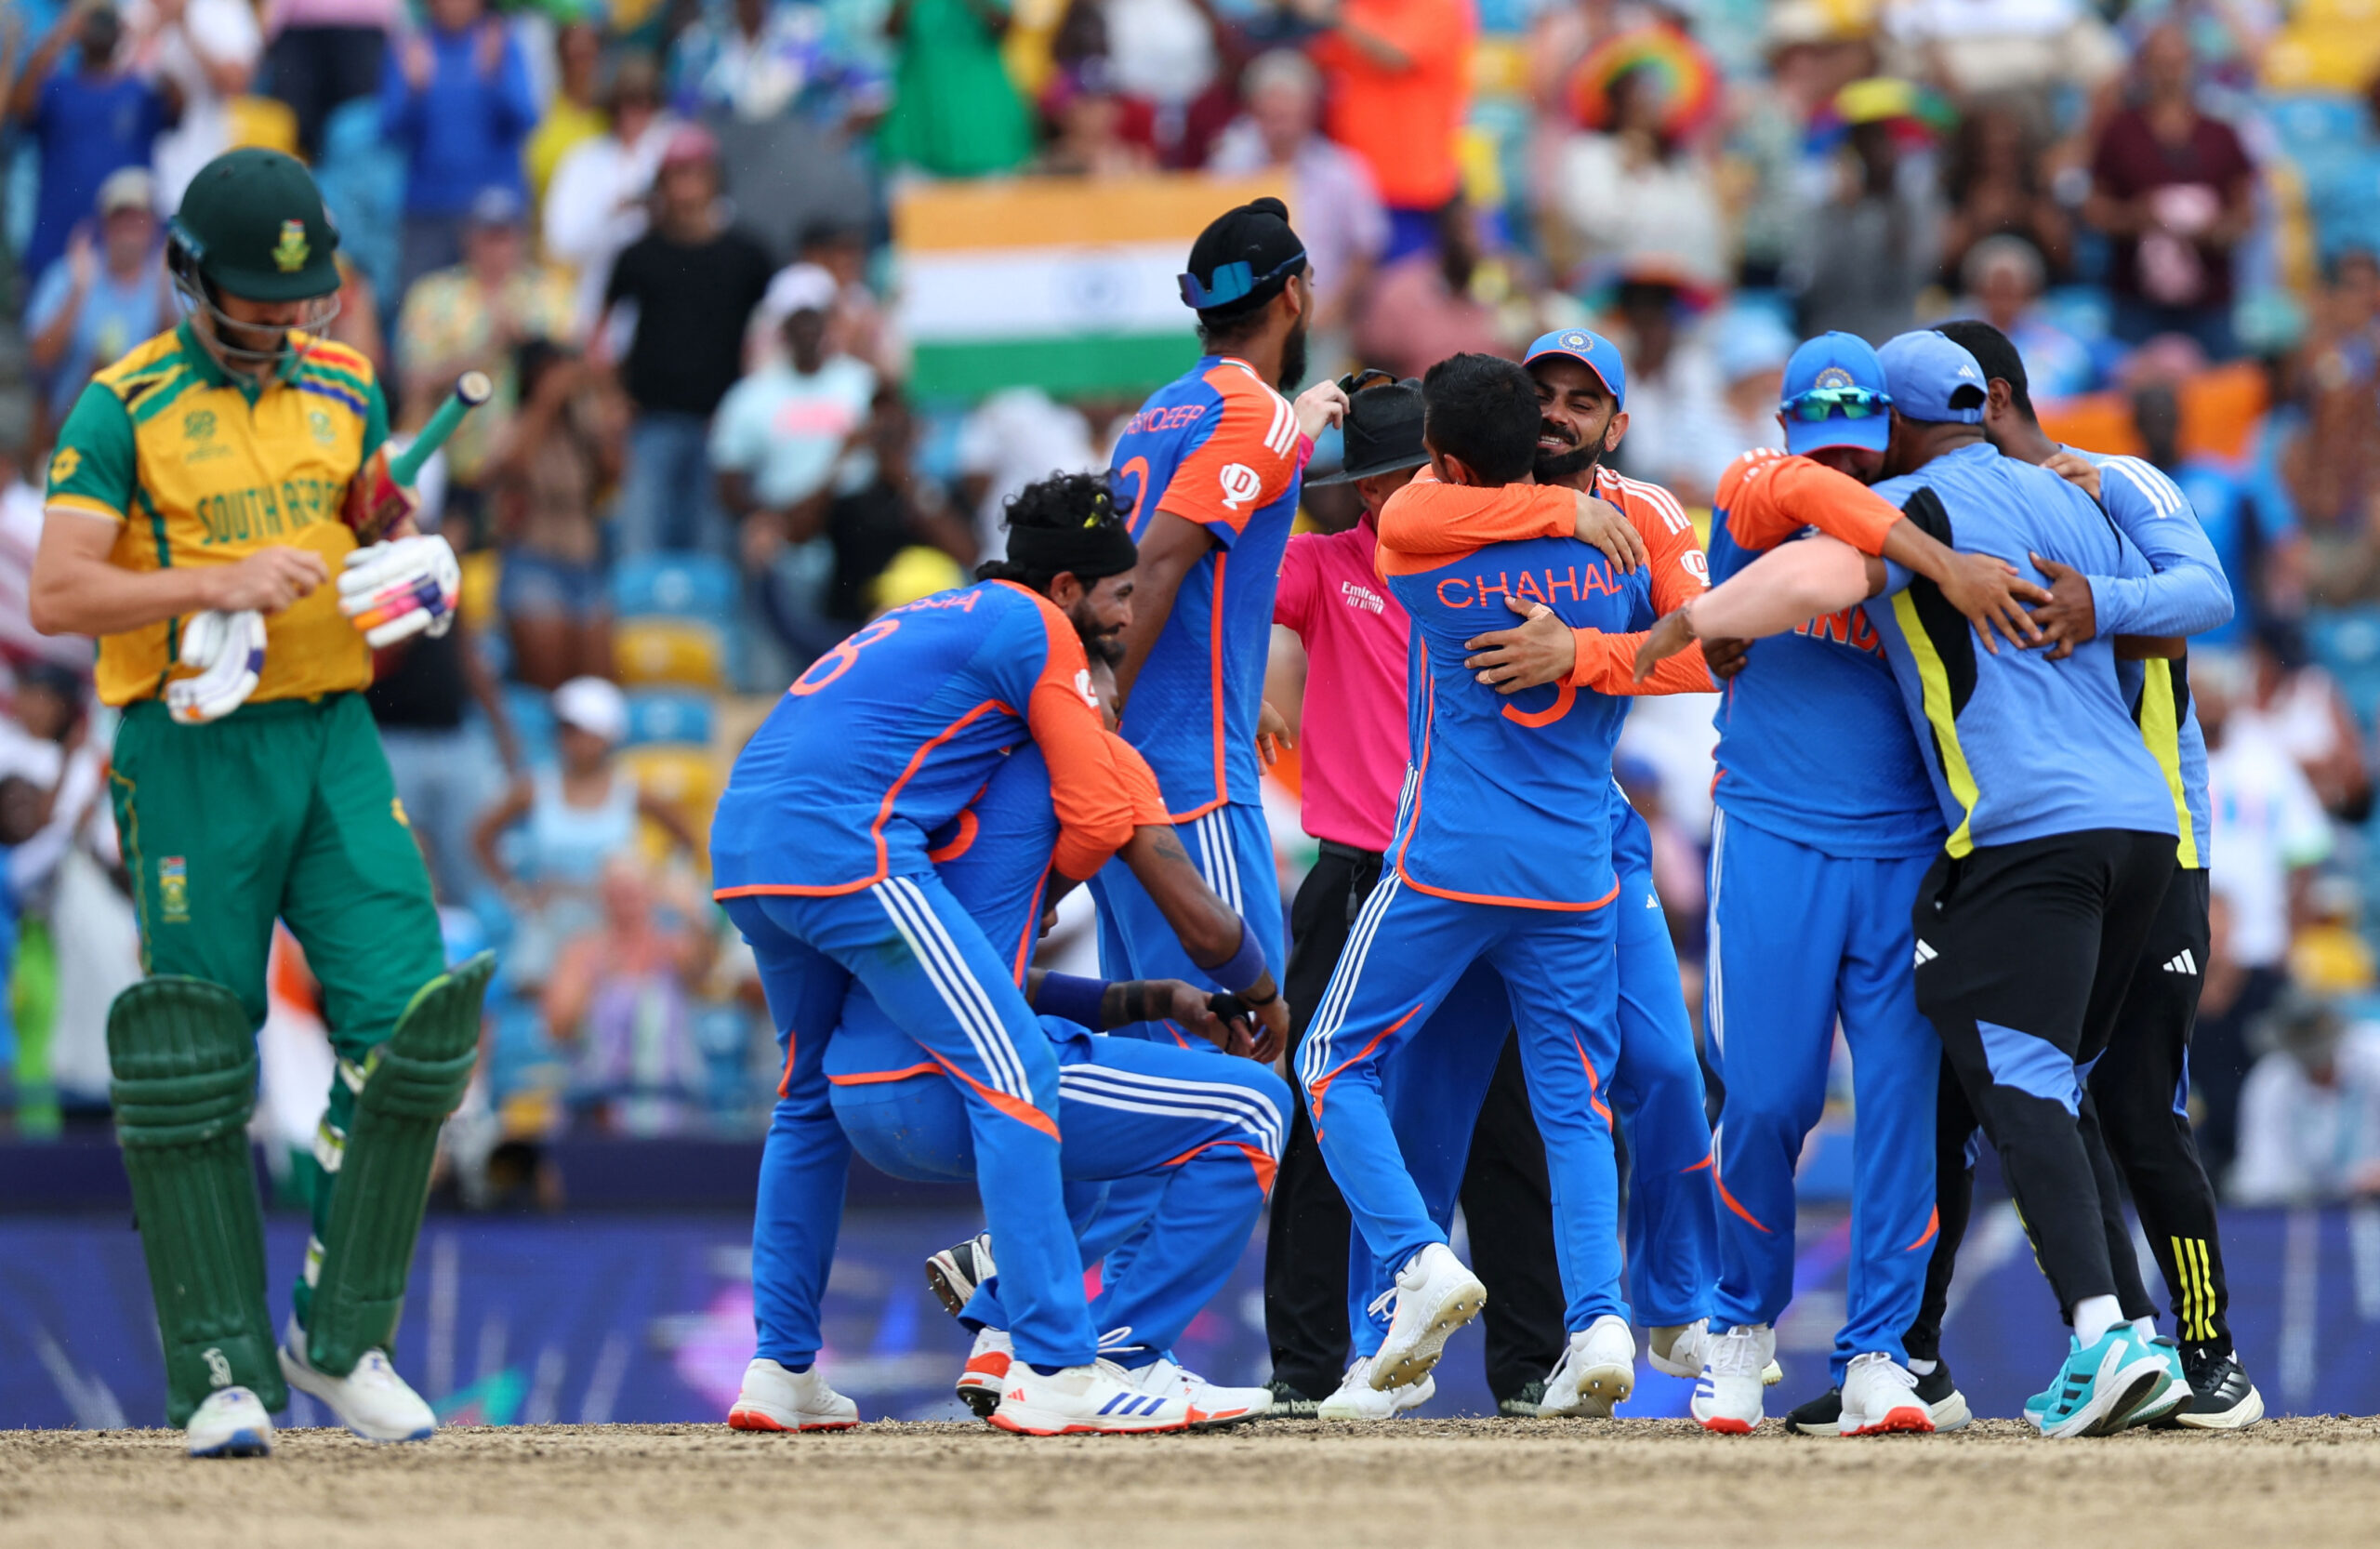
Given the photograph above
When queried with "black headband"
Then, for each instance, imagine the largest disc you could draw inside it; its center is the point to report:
(1101, 547)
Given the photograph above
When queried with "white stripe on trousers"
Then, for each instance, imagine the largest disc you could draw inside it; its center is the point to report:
(946, 969)
(1717, 976)
(1245, 1109)
(1333, 1010)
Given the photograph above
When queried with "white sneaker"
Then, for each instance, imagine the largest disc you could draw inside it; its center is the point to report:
(1681, 1349)
(1880, 1394)
(1726, 1395)
(1597, 1371)
(1211, 1405)
(775, 1399)
(1080, 1399)
(1434, 1296)
(372, 1401)
(985, 1374)
(231, 1423)
(1357, 1399)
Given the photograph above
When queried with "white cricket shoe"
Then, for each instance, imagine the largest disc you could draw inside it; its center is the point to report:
(1597, 1371)
(1681, 1349)
(775, 1399)
(1212, 1405)
(1434, 1296)
(231, 1423)
(1726, 1395)
(1880, 1394)
(372, 1401)
(1357, 1399)
(985, 1377)
(1084, 1400)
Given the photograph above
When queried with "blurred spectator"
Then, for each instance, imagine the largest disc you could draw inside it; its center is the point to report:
(1183, 57)
(209, 49)
(1339, 212)
(2330, 955)
(457, 101)
(1632, 194)
(1753, 350)
(1419, 308)
(1996, 188)
(87, 121)
(2002, 277)
(2269, 833)
(597, 203)
(561, 451)
(1086, 115)
(358, 322)
(1676, 410)
(2175, 191)
(896, 511)
(692, 281)
(1012, 438)
(1811, 57)
(2309, 1114)
(21, 516)
(1868, 250)
(574, 819)
(785, 437)
(471, 318)
(2025, 47)
(105, 296)
(857, 323)
(325, 52)
(757, 59)
(1399, 76)
(955, 111)
(575, 113)
(622, 997)
(2299, 708)
(2260, 545)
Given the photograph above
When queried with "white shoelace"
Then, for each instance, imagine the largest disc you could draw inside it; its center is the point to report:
(1382, 1303)
(1736, 1354)
(1892, 1369)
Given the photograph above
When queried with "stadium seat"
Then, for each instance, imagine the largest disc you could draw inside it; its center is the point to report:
(2347, 643)
(674, 585)
(684, 778)
(674, 651)
(667, 716)
(2316, 124)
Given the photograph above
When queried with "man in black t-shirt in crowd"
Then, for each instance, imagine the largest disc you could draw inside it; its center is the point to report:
(690, 282)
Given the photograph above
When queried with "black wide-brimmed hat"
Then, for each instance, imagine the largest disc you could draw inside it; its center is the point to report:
(1383, 430)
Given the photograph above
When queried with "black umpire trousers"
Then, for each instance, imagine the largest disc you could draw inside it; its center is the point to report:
(1507, 1198)
(2138, 1112)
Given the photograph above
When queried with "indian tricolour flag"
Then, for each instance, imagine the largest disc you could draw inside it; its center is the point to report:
(1066, 284)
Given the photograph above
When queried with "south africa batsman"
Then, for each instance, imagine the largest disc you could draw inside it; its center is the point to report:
(204, 491)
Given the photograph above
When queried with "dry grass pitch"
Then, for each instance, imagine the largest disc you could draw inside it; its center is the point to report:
(1306, 1484)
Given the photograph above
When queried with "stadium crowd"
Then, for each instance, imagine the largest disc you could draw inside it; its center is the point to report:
(665, 228)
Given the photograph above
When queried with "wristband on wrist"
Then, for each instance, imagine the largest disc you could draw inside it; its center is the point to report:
(1244, 967)
(1071, 996)
(1136, 1002)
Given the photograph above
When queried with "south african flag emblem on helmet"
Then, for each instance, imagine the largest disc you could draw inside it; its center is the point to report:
(290, 253)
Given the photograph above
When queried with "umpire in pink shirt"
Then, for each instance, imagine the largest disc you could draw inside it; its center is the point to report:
(1355, 745)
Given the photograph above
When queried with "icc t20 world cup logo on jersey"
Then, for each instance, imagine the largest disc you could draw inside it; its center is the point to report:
(173, 888)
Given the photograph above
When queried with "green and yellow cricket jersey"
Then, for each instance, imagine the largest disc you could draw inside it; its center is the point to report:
(199, 467)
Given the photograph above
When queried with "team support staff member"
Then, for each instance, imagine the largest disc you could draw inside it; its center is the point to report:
(200, 500)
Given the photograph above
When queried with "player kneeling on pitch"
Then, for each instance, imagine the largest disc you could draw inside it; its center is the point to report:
(205, 490)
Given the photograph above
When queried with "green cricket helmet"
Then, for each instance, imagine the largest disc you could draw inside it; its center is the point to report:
(251, 225)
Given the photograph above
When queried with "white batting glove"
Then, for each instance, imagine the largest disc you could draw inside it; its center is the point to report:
(227, 649)
(403, 587)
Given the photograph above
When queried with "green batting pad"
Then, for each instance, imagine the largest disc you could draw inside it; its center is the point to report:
(185, 1068)
(411, 1083)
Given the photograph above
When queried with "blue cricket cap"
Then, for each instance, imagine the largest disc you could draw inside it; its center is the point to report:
(1837, 373)
(1932, 379)
(1591, 349)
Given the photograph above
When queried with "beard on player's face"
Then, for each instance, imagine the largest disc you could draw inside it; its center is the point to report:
(1562, 452)
(1293, 357)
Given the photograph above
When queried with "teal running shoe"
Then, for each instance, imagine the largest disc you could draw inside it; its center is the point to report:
(2168, 1400)
(2100, 1385)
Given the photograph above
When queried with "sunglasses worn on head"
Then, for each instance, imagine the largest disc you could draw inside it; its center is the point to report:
(1234, 281)
(1847, 403)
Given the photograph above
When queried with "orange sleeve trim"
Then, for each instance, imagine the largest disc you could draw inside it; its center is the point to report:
(1428, 517)
(1606, 663)
(1768, 499)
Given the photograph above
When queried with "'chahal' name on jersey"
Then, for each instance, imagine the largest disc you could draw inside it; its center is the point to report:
(261, 511)
(1598, 581)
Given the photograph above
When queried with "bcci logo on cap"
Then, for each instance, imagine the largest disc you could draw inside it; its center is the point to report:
(1834, 376)
(1241, 484)
(1577, 341)
(173, 888)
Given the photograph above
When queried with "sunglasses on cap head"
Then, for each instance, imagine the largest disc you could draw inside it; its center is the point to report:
(1834, 402)
(1355, 382)
(1234, 281)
